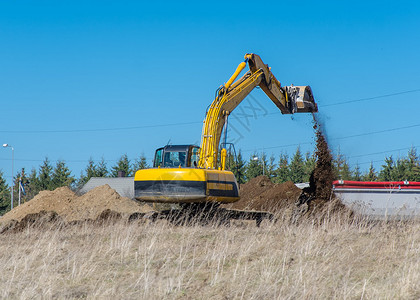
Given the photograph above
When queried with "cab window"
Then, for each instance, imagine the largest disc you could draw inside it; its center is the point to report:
(158, 158)
(194, 156)
(174, 159)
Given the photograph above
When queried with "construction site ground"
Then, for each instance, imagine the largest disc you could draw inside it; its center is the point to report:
(260, 199)
(339, 257)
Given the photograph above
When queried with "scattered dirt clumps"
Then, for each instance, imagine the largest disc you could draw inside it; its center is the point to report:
(70, 207)
(323, 175)
(43, 219)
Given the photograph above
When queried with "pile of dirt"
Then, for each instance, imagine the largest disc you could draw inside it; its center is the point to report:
(317, 199)
(261, 194)
(70, 207)
(285, 199)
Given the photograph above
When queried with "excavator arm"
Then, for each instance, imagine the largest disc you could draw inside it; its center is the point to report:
(289, 99)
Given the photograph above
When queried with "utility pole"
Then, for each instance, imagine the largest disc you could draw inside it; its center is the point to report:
(19, 188)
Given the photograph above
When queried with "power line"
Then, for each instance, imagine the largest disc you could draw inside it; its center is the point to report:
(376, 132)
(65, 160)
(274, 147)
(369, 162)
(97, 129)
(372, 98)
(286, 145)
(339, 138)
(382, 152)
(191, 122)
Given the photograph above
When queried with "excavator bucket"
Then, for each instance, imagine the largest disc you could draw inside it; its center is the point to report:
(301, 99)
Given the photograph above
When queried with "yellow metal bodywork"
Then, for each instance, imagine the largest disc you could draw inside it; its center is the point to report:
(165, 174)
(173, 185)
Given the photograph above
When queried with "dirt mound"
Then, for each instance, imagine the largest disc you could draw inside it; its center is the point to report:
(71, 207)
(263, 195)
(260, 194)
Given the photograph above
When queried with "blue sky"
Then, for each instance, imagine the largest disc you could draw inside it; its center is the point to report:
(81, 79)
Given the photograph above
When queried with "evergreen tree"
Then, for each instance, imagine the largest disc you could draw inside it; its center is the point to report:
(357, 175)
(101, 169)
(387, 170)
(44, 177)
(371, 174)
(4, 195)
(237, 166)
(346, 173)
(254, 167)
(230, 161)
(270, 169)
(400, 170)
(413, 166)
(297, 167)
(34, 186)
(61, 175)
(394, 170)
(406, 168)
(123, 164)
(282, 172)
(341, 167)
(140, 163)
(90, 171)
(310, 164)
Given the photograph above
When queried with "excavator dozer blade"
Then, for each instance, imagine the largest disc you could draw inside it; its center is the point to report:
(301, 99)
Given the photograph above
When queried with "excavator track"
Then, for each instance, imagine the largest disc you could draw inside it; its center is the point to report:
(204, 214)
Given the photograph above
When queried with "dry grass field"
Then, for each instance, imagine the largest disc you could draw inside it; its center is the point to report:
(334, 259)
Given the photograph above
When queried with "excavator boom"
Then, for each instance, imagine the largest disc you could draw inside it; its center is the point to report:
(289, 99)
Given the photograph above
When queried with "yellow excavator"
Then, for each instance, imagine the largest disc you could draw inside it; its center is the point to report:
(186, 174)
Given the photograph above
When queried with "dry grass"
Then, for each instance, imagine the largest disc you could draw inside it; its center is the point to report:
(334, 259)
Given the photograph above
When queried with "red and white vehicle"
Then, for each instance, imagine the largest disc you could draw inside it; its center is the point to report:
(380, 199)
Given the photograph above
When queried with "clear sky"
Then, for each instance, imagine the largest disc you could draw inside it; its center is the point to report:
(81, 79)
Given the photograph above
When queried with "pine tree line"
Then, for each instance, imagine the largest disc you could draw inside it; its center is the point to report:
(299, 167)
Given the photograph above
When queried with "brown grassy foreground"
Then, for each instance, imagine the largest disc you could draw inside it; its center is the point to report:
(336, 259)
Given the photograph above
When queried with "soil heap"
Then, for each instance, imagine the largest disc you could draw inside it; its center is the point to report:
(71, 207)
(261, 194)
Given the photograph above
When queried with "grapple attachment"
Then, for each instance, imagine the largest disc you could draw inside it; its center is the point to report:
(300, 99)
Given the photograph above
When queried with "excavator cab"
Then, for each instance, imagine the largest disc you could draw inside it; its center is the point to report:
(176, 156)
(176, 178)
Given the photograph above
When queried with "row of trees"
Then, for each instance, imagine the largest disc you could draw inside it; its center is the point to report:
(299, 167)
(296, 168)
(49, 177)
